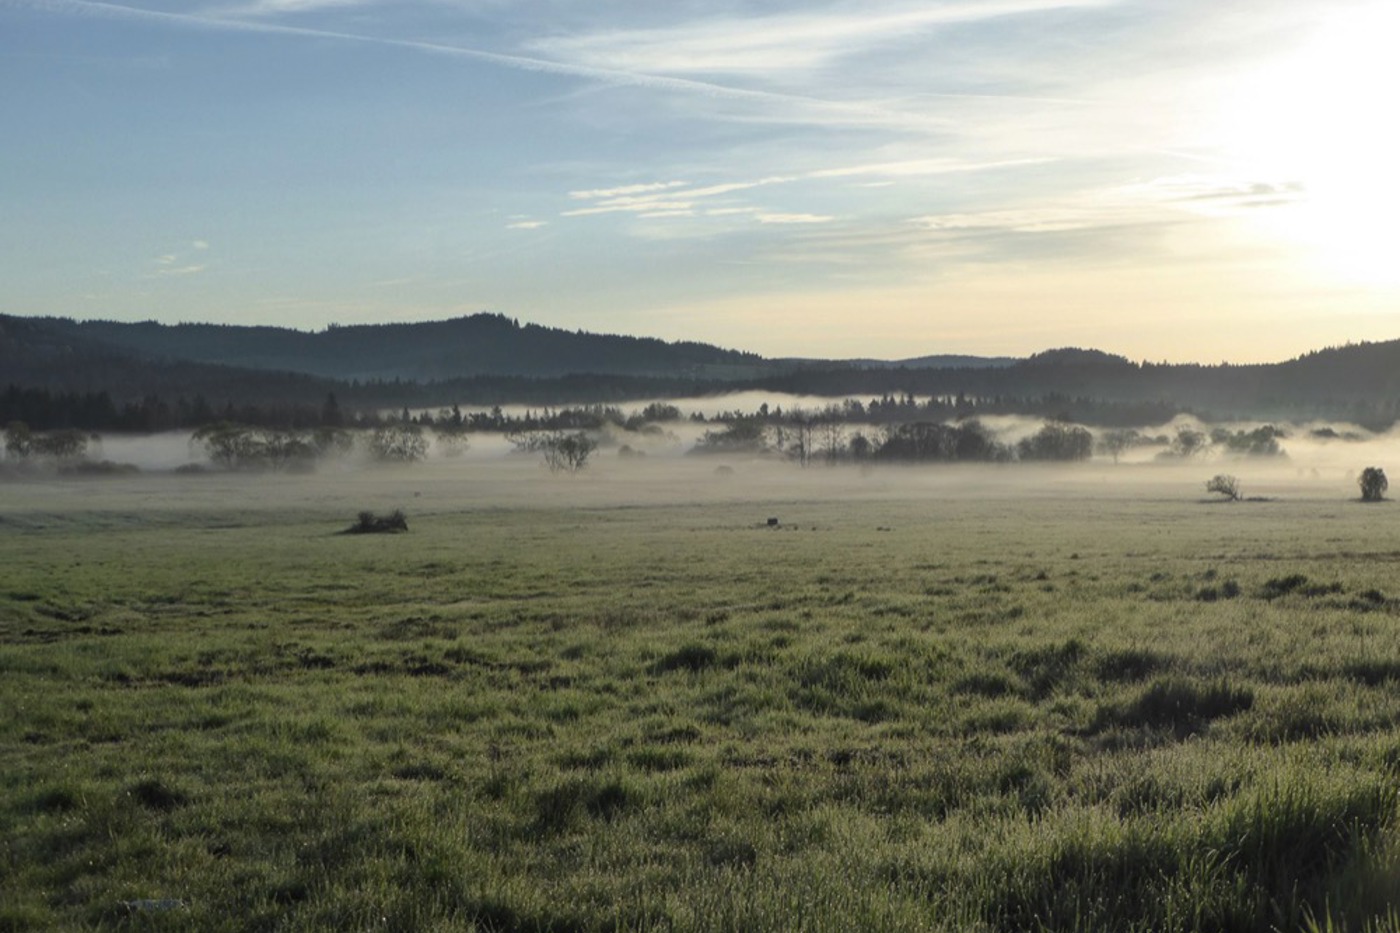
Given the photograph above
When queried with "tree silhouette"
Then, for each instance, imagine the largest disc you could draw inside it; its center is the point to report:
(1224, 484)
(1373, 484)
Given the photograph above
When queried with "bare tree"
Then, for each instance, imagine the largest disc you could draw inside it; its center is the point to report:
(567, 452)
(1224, 484)
(1114, 443)
(833, 435)
(801, 449)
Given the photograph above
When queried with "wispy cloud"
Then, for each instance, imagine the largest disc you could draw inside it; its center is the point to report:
(671, 199)
(1166, 200)
(527, 224)
(281, 7)
(625, 190)
(790, 106)
(661, 199)
(777, 218)
(177, 264)
(171, 271)
(775, 43)
(911, 168)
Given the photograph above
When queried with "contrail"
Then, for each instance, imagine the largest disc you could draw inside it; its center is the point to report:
(866, 112)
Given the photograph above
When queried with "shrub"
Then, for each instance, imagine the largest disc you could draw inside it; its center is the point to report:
(1225, 485)
(1373, 484)
(368, 523)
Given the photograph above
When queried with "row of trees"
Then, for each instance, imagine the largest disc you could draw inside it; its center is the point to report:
(244, 447)
(805, 438)
(24, 444)
(44, 410)
(241, 447)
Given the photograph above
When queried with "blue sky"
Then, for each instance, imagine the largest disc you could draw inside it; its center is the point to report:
(1168, 179)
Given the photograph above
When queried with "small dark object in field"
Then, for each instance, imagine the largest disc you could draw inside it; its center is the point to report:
(154, 905)
(371, 524)
(154, 794)
(772, 523)
(1282, 586)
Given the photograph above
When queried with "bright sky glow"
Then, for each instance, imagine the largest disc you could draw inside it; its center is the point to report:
(1185, 180)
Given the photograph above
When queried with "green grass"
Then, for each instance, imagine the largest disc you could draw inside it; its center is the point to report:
(906, 708)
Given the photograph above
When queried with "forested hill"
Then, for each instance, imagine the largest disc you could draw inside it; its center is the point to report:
(1360, 382)
(481, 344)
(34, 354)
(489, 359)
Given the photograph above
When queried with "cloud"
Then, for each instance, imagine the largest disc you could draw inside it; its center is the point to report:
(776, 43)
(1214, 193)
(1162, 200)
(651, 199)
(629, 205)
(527, 224)
(280, 7)
(670, 199)
(767, 218)
(911, 168)
(169, 263)
(787, 107)
(169, 272)
(625, 190)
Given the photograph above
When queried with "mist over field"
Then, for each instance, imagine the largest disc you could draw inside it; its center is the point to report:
(1316, 459)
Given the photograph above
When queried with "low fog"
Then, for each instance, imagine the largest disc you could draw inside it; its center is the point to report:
(660, 465)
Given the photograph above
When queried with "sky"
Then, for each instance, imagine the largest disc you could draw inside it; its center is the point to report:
(1181, 180)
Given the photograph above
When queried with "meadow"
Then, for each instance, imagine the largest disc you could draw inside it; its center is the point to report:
(996, 699)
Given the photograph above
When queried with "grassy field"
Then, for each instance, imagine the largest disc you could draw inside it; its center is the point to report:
(926, 700)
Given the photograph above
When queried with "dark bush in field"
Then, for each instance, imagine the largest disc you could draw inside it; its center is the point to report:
(369, 524)
(1373, 484)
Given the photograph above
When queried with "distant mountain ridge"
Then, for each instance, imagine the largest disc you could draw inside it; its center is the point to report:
(492, 359)
(480, 344)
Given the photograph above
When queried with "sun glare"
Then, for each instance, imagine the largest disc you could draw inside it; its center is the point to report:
(1325, 119)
